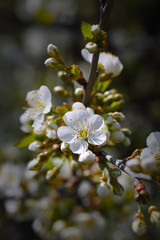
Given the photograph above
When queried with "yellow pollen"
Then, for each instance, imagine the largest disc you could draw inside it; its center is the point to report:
(78, 120)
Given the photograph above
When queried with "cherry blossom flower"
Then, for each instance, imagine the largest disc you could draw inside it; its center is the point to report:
(39, 102)
(111, 63)
(150, 156)
(83, 127)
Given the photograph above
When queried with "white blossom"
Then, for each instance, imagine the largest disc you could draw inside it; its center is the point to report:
(150, 156)
(39, 102)
(83, 127)
(87, 157)
(112, 65)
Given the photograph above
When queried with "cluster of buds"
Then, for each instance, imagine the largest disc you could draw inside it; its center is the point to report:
(55, 61)
(94, 36)
(117, 133)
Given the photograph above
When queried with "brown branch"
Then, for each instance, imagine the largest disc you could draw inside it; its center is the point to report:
(105, 8)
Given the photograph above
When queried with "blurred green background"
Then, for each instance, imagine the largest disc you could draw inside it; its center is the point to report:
(28, 26)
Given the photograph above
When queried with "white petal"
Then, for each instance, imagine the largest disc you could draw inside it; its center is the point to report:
(95, 122)
(148, 161)
(153, 142)
(87, 157)
(75, 119)
(97, 138)
(46, 98)
(79, 146)
(78, 106)
(90, 111)
(32, 98)
(65, 134)
(86, 55)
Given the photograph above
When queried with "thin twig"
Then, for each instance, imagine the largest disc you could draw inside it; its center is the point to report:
(93, 69)
(121, 164)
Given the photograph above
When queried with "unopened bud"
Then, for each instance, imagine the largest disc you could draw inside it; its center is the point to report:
(140, 192)
(79, 92)
(102, 190)
(99, 96)
(51, 174)
(139, 227)
(53, 51)
(118, 116)
(126, 131)
(65, 147)
(87, 157)
(117, 136)
(134, 164)
(91, 47)
(117, 188)
(115, 126)
(154, 215)
(95, 29)
(108, 119)
(127, 142)
(34, 165)
(52, 63)
(61, 91)
(35, 146)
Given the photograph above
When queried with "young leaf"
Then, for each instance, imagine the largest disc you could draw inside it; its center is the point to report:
(86, 30)
(25, 141)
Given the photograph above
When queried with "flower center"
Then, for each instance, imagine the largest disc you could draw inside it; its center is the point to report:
(83, 132)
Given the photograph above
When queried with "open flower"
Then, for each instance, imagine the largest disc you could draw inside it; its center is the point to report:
(150, 156)
(39, 102)
(111, 64)
(83, 127)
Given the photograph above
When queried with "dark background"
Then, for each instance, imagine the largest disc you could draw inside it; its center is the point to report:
(28, 26)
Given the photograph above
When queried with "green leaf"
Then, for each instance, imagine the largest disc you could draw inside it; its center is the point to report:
(86, 30)
(102, 86)
(25, 141)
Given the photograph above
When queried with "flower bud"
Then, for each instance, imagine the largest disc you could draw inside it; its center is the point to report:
(154, 215)
(58, 225)
(95, 29)
(108, 119)
(79, 92)
(34, 164)
(117, 136)
(99, 96)
(65, 147)
(87, 157)
(118, 116)
(139, 227)
(91, 47)
(52, 63)
(134, 164)
(127, 142)
(35, 146)
(102, 190)
(126, 131)
(53, 51)
(51, 174)
(115, 126)
(61, 91)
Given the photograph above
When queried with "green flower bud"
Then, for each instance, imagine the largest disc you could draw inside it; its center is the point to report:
(134, 164)
(115, 126)
(35, 164)
(154, 215)
(95, 29)
(127, 142)
(52, 63)
(51, 174)
(79, 92)
(117, 136)
(126, 131)
(91, 47)
(61, 91)
(53, 51)
(139, 227)
(118, 116)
